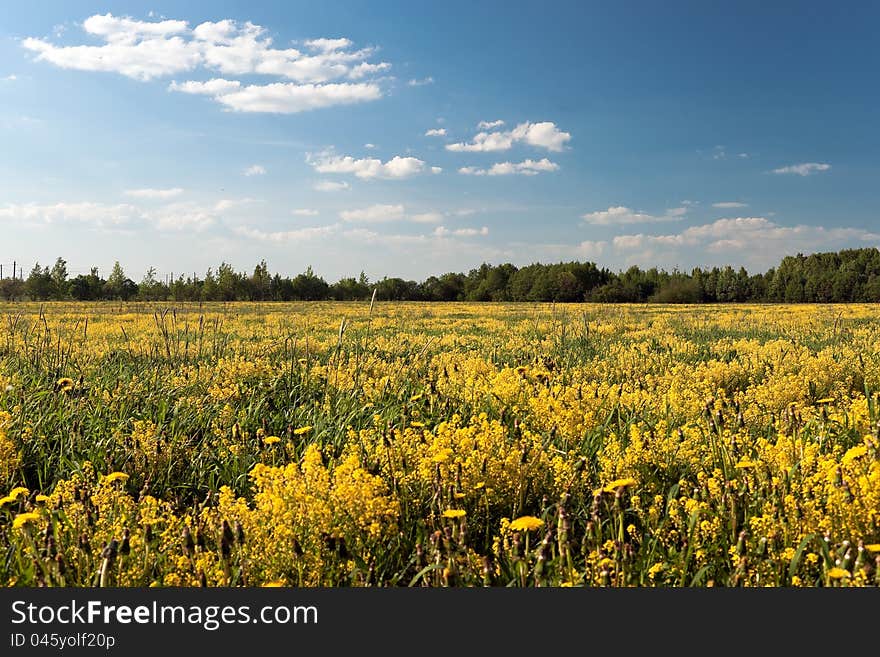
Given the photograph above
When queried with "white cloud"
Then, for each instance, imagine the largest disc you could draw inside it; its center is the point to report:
(145, 50)
(365, 69)
(97, 214)
(524, 168)
(295, 235)
(374, 214)
(421, 83)
(442, 231)
(213, 87)
(330, 186)
(255, 170)
(803, 169)
(183, 216)
(173, 216)
(304, 212)
(542, 135)
(369, 146)
(290, 98)
(489, 125)
(328, 45)
(12, 77)
(436, 170)
(730, 204)
(755, 238)
(617, 215)
(368, 168)
(436, 132)
(151, 193)
(427, 218)
(591, 249)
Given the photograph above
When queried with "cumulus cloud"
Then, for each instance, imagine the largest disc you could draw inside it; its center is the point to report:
(542, 135)
(756, 238)
(143, 50)
(151, 193)
(489, 125)
(255, 170)
(618, 215)
(369, 167)
(330, 186)
(436, 132)
(524, 168)
(803, 169)
(374, 214)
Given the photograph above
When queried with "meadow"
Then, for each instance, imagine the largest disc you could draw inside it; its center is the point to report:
(439, 444)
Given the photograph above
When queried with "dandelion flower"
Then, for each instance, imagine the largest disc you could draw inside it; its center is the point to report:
(42, 498)
(271, 440)
(853, 453)
(838, 573)
(744, 464)
(6, 500)
(454, 513)
(18, 491)
(274, 584)
(302, 430)
(825, 400)
(526, 523)
(417, 425)
(116, 476)
(619, 483)
(24, 518)
(873, 547)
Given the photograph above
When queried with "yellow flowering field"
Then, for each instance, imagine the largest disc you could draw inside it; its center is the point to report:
(410, 444)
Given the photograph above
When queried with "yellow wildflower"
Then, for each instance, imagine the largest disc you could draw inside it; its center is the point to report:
(838, 573)
(116, 476)
(301, 431)
(24, 518)
(526, 523)
(454, 513)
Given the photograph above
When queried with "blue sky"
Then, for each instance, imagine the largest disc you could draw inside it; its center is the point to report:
(414, 138)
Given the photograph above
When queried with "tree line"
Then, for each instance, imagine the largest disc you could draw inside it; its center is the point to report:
(851, 275)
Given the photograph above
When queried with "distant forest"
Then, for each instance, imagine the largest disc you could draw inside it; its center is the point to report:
(851, 275)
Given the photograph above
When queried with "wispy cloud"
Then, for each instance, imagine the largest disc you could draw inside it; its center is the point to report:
(420, 82)
(331, 186)
(729, 204)
(150, 193)
(435, 132)
(255, 170)
(304, 212)
(619, 215)
(374, 214)
(803, 169)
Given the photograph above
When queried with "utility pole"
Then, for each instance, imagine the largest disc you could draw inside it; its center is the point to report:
(13, 269)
